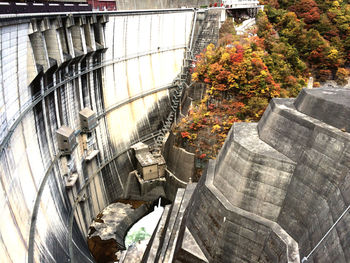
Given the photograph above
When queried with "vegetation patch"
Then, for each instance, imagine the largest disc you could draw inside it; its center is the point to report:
(292, 41)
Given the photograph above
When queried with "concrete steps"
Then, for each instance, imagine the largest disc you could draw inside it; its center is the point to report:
(210, 31)
(163, 243)
(151, 251)
(175, 233)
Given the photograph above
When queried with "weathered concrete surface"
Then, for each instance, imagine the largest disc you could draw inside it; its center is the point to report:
(156, 239)
(168, 235)
(160, 4)
(276, 188)
(107, 232)
(51, 68)
(330, 105)
(179, 161)
(101, 238)
(190, 251)
(208, 31)
(315, 197)
(251, 174)
(226, 233)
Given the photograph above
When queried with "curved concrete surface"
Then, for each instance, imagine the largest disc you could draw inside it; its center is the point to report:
(120, 65)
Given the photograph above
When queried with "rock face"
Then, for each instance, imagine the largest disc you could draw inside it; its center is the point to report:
(276, 187)
(108, 230)
(102, 240)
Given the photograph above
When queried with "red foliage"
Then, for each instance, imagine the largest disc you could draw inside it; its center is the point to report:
(238, 56)
(202, 156)
(308, 10)
(185, 135)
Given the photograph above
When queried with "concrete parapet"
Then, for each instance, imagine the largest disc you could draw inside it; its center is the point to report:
(164, 242)
(161, 4)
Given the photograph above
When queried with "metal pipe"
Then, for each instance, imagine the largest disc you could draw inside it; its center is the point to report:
(305, 259)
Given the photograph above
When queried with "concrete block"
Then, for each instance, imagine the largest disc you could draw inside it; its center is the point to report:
(242, 168)
(326, 103)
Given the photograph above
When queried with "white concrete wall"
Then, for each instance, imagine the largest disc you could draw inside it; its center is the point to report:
(127, 36)
(33, 146)
(22, 159)
(13, 73)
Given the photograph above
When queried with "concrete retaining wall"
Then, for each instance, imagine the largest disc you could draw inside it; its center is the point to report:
(279, 187)
(179, 161)
(233, 234)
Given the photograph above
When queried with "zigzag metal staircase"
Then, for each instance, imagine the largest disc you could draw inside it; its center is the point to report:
(208, 31)
(180, 85)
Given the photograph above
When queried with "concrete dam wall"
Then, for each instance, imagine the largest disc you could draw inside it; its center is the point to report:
(277, 188)
(161, 4)
(122, 67)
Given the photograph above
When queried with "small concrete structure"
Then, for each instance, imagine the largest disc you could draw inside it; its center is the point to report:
(71, 180)
(149, 165)
(161, 164)
(88, 120)
(140, 147)
(66, 139)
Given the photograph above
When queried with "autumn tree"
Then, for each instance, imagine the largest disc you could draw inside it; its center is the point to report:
(342, 76)
(307, 10)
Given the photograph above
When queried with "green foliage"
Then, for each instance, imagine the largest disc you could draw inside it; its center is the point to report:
(137, 236)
